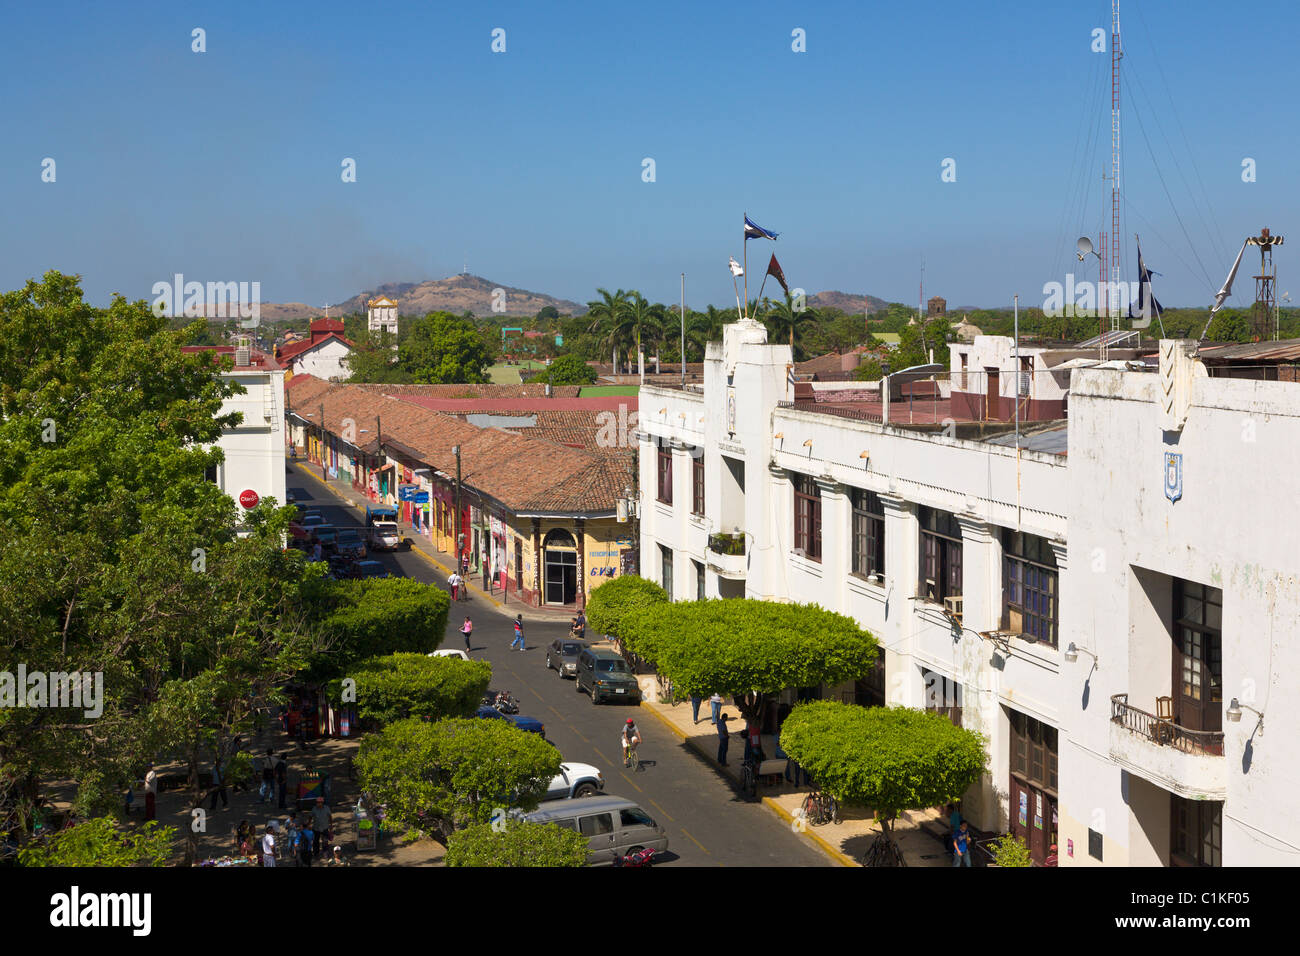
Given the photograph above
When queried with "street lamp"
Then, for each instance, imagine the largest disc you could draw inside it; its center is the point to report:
(1235, 707)
(1073, 651)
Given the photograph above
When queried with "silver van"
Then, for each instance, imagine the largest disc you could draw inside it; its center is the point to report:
(613, 826)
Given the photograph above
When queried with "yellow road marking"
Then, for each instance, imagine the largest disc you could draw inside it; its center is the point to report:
(555, 712)
(631, 784)
(695, 841)
(661, 809)
(599, 754)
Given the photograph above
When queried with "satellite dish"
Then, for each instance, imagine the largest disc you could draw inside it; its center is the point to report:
(1084, 245)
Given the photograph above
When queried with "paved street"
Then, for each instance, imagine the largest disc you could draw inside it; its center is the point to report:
(706, 821)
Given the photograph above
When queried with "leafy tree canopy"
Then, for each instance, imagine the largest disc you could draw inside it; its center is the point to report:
(567, 370)
(443, 349)
(398, 686)
(376, 616)
(455, 772)
(516, 844)
(101, 842)
(887, 758)
(627, 596)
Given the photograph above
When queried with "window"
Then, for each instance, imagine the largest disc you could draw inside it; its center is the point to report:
(635, 817)
(1033, 751)
(666, 570)
(1029, 583)
(808, 517)
(699, 580)
(1197, 832)
(940, 555)
(665, 461)
(697, 482)
(942, 696)
(869, 689)
(594, 826)
(868, 534)
(213, 474)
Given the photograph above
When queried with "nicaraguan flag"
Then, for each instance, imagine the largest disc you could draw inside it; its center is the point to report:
(1148, 306)
(755, 231)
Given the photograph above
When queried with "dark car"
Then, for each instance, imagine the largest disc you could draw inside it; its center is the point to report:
(312, 519)
(605, 675)
(372, 569)
(562, 655)
(327, 536)
(530, 724)
(349, 543)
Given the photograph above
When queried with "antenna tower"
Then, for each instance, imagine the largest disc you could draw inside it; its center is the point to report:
(1110, 244)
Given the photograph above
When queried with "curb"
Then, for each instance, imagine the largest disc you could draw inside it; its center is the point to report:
(841, 858)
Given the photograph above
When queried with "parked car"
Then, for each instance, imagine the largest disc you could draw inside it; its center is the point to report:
(312, 519)
(450, 652)
(373, 569)
(605, 676)
(328, 536)
(530, 724)
(613, 826)
(384, 537)
(350, 543)
(562, 655)
(575, 780)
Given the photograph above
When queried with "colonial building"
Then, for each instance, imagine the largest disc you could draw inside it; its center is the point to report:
(323, 353)
(971, 552)
(254, 449)
(381, 314)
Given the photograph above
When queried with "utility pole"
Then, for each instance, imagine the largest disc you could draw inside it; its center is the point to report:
(456, 524)
(324, 472)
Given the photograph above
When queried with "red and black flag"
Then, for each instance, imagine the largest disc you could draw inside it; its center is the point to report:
(774, 270)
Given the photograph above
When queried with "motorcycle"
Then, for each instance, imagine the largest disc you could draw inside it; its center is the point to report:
(506, 704)
(642, 857)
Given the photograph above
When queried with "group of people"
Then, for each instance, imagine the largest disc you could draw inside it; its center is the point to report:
(302, 840)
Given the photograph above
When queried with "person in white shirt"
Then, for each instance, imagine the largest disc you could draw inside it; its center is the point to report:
(455, 581)
(268, 848)
(150, 794)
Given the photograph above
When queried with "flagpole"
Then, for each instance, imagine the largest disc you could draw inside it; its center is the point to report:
(683, 355)
(737, 288)
(745, 265)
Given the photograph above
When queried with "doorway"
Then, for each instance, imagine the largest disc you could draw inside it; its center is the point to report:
(1198, 656)
(992, 394)
(560, 561)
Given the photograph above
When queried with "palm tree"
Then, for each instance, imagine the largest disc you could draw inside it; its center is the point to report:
(644, 318)
(609, 321)
(703, 327)
(782, 319)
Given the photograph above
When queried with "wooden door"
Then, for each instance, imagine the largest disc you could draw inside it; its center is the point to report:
(992, 394)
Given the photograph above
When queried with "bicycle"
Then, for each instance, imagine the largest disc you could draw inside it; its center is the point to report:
(820, 808)
(631, 760)
(749, 779)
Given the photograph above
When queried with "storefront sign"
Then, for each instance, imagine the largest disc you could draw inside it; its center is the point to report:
(248, 498)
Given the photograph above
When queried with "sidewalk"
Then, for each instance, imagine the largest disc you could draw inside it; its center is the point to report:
(440, 559)
(845, 842)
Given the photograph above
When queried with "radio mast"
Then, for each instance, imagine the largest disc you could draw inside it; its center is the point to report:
(1112, 242)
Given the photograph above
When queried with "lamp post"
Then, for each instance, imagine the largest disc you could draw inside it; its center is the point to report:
(455, 449)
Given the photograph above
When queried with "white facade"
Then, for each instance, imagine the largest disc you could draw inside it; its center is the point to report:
(254, 449)
(754, 450)
(381, 315)
(324, 360)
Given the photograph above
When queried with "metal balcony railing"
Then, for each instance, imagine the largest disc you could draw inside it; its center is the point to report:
(726, 544)
(1162, 731)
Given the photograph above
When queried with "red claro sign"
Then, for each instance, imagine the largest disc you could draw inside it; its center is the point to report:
(249, 498)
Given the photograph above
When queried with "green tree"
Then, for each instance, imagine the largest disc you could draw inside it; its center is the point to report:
(609, 320)
(516, 844)
(747, 648)
(784, 323)
(355, 620)
(1010, 850)
(375, 361)
(567, 370)
(398, 686)
(442, 349)
(101, 842)
(625, 597)
(870, 370)
(454, 772)
(1229, 325)
(889, 759)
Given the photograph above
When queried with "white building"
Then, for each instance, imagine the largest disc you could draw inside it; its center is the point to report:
(254, 449)
(951, 548)
(381, 314)
(323, 353)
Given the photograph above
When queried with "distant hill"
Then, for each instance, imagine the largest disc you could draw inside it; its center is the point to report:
(458, 293)
(846, 303)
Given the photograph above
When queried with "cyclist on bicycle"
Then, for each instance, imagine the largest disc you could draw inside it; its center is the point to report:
(631, 739)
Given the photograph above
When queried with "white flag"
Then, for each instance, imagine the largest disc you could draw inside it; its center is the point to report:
(736, 270)
(1226, 291)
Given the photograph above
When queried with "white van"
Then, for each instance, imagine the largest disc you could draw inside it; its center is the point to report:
(613, 826)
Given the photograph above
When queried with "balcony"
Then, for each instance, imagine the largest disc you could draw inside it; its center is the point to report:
(727, 555)
(1175, 758)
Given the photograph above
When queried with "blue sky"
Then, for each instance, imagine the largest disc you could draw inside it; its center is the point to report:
(226, 165)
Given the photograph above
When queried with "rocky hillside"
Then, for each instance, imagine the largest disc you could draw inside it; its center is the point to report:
(846, 303)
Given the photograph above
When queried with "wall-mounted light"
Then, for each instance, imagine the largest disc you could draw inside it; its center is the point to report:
(664, 410)
(779, 435)
(1073, 651)
(1235, 707)
(808, 443)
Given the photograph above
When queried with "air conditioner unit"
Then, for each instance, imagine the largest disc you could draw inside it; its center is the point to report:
(953, 606)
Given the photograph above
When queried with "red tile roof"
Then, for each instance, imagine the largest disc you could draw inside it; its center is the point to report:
(257, 358)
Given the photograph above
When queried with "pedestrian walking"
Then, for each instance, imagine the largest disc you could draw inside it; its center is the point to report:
(715, 705)
(267, 790)
(150, 794)
(321, 824)
(467, 629)
(306, 845)
(220, 786)
(281, 778)
(961, 846)
(268, 848)
(722, 740)
(519, 632)
(454, 581)
(696, 700)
